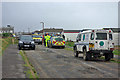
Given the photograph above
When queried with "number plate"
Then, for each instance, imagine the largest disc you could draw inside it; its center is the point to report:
(91, 45)
(26, 45)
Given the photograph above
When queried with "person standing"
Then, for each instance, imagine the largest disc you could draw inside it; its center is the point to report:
(47, 38)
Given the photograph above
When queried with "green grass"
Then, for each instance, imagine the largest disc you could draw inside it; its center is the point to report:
(71, 44)
(5, 42)
(116, 52)
(28, 72)
(70, 49)
(115, 60)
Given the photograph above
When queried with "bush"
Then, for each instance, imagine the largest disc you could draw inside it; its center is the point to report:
(6, 34)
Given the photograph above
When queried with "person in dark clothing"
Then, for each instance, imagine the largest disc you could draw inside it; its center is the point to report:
(63, 37)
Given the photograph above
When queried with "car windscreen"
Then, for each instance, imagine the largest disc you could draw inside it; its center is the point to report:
(26, 38)
(59, 39)
(36, 36)
(101, 36)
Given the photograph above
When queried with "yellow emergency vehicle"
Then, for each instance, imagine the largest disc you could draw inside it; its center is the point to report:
(37, 39)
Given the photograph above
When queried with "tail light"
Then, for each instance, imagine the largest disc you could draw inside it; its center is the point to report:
(111, 49)
(54, 42)
(89, 49)
(64, 42)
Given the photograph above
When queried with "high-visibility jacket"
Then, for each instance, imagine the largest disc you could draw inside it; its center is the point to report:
(47, 38)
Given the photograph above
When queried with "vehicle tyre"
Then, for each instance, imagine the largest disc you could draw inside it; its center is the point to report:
(41, 43)
(85, 55)
(33, 48)
(63, 47)
(107, 57)
(89, 56)
(75, 52)
(19, 48)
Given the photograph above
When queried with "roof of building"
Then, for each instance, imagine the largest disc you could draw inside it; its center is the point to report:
(72, 31)
(6, 28)
(49, 30)
(52, 30)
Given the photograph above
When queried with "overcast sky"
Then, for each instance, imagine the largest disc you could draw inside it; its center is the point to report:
(66, 15)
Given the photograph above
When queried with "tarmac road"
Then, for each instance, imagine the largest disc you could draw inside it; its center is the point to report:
(60, 63)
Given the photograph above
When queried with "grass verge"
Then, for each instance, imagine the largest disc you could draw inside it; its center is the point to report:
(30, 73)
(116, 52)
(70, 44)
(5, 42)
(112, 60)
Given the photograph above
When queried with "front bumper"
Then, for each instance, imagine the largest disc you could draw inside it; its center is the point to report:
(57, 45)
(26, 45)
(37, 40)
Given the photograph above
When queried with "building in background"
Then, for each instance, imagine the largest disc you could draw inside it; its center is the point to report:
(116, 35)
(8, 29)
(70, 35)
(49, 30)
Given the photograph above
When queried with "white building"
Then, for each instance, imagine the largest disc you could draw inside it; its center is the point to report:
(7, 29)
(70, 35)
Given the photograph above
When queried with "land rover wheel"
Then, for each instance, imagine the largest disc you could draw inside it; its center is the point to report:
(107, 57)
(84, 55)
(75, 52)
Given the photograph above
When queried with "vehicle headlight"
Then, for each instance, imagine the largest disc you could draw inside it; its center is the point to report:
(32, 42)
(20, 42)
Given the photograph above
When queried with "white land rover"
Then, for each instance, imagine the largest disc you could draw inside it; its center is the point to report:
(94, 44)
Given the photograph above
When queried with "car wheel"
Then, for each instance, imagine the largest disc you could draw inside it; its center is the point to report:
(76, 52)
(41, 43)
(19, 48)
(33, 48)
(63, 47)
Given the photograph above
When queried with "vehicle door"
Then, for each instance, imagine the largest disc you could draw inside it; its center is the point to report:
(101, 41)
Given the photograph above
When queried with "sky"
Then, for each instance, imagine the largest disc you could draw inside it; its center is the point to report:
(66, 15)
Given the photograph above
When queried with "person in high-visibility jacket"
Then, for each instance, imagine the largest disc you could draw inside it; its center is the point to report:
(47, 38)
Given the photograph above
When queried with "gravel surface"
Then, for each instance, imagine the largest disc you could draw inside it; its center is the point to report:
(61, 63)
